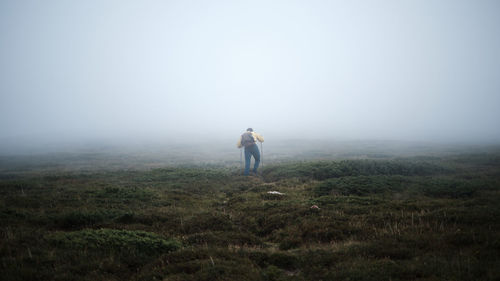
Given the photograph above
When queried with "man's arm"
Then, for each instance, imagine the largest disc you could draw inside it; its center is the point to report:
(258, 137)
(238, 144)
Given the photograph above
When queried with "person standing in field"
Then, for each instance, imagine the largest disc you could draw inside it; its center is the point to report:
(249, 141)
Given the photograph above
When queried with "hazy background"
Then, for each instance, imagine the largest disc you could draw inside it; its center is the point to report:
(91, 71)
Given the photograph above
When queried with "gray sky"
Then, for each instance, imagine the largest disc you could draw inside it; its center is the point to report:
(403, 70)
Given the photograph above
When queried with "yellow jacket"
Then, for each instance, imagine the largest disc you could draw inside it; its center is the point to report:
(255, 136)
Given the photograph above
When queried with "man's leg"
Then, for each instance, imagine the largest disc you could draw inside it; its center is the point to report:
(248, 156)
(256, 155)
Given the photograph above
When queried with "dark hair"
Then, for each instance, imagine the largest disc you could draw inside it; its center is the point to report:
(250, 129)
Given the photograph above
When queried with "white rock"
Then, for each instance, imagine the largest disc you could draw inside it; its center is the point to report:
(276, 192)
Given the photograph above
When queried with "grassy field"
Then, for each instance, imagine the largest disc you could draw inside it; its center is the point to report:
(420, 217)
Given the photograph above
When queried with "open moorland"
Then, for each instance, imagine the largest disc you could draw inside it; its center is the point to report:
(372, 215)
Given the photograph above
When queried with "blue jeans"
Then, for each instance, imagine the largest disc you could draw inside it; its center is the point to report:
(249, 151)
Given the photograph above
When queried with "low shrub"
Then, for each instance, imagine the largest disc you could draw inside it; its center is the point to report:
(289, 243)
(360, 185)
(323, 170)
(114, 193)
(282, 260)
(224, 239)
(115, 240)
(448, 188)
(82, 218)
(207, 222)
(382, 248)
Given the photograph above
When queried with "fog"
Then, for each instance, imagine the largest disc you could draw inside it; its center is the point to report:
(206, 70)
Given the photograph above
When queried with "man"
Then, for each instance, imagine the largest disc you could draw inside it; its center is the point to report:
(248, 141)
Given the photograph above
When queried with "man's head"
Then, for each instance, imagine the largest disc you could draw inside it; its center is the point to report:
(249, 130)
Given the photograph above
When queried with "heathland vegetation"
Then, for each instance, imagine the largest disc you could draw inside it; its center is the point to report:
(412, 218)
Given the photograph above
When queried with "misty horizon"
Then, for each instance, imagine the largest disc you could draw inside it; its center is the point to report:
(177, 71)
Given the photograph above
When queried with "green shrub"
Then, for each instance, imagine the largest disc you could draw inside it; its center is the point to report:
(206, 264)
(282, 260)
(325, 169)
(360, 185)
(324, 232)
(182, 174)
(208, 222)
(289, 243)
(448, 188)
(224, 239)
(82, 218)
(322, 258)
(273, 273)
(383, 248)
(115, 240)
(120, 193)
